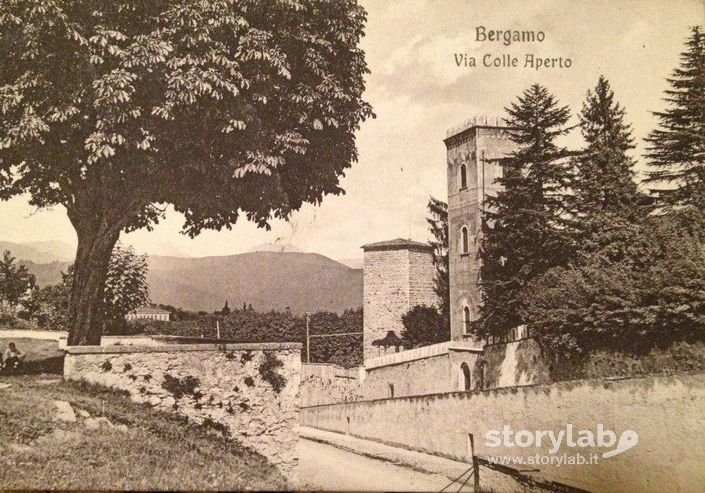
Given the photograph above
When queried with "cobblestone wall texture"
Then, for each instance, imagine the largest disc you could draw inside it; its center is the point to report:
(222, 385)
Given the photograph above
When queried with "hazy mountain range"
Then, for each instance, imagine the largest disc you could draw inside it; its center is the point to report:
(273, 276)
(40, 251)
(268, 280)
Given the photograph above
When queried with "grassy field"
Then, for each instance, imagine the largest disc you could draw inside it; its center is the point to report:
(158, 451)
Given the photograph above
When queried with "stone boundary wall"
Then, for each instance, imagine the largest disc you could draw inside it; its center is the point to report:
(249, 391)
(329, 384)
(667, 413)
(426, 370)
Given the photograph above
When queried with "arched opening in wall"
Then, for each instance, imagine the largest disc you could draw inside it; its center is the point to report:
(466, 319)
(465, 377)
(464, 240)
(463, 177)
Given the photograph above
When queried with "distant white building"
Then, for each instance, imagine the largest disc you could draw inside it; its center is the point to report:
(148, 313)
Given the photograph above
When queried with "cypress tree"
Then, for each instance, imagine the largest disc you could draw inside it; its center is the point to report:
(676, 149)
(524, 225)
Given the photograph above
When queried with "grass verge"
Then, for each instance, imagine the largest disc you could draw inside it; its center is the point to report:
(158, 451)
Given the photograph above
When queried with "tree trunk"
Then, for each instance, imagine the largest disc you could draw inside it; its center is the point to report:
(96, 240)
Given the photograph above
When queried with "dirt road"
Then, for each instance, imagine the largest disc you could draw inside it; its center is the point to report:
(324, 467)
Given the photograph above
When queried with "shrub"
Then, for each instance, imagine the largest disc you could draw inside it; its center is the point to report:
(180, 386)
(424, 325)
(268, 371)
(211, 424)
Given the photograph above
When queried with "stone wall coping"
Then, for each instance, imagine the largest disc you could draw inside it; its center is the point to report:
(424, 352)
(135, 336)
(465, 346)
(603, 382)
(430, 351)
(175, 348)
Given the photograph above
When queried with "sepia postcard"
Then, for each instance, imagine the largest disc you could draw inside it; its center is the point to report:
(352, 245)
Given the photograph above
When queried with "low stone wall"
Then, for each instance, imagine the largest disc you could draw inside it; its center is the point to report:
(666, 412)
(328, 384)
(47, 335)
(247, 390)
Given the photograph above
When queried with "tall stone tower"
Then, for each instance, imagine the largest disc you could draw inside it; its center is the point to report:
(471, 149)
(397, 275)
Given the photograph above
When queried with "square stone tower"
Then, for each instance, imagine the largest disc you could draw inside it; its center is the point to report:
(471, 151)
(397, 275)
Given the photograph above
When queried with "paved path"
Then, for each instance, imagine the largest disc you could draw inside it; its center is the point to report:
(324, 467)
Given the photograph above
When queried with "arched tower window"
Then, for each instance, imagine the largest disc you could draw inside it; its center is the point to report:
(466, 379)
(463, 176)
(466, 320)
(464, 240)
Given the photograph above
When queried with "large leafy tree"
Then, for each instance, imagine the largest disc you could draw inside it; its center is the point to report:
(676, 149)
(222, 109)
(523, 225)
(438, 223)
(16, 282)
(49, 306)
(126, 287)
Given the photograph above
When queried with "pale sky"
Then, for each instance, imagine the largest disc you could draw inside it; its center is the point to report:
(418, 91)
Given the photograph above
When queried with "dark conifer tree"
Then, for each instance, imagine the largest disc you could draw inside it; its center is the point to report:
(604, 194)
(438, 223)
(604, 175)
(677, 148)
(523, 226)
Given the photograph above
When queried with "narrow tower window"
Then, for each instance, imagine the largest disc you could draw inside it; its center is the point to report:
(463, 177)
(464, 240)
(466, 320)
(466, 377)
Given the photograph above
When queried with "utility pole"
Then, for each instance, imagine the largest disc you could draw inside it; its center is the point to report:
(308, 347)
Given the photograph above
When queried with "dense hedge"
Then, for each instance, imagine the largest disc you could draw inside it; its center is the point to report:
(252, 326)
